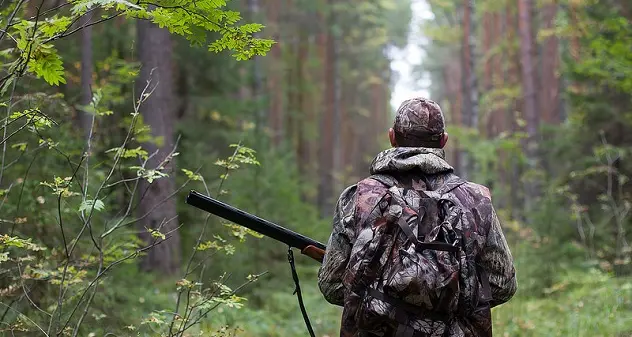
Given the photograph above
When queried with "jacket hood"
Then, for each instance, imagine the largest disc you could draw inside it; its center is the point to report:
(402, 159)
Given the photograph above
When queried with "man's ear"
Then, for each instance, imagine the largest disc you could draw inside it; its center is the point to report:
(391, 137)
(444, 139)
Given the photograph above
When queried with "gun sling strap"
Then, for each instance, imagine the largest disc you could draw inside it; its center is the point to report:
(297, 290)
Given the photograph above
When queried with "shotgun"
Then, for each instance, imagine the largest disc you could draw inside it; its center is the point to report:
(307, 246)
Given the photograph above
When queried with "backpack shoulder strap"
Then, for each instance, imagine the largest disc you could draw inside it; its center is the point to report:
(449, 185)
(386, 180)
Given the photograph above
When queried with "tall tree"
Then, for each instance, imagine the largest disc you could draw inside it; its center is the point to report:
(326, 155)
(275, 73)
(470, 86)
(549, 81)
(156, 208)
(528, 92)
(86, 73)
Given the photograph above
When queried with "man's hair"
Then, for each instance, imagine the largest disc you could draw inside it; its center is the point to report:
(402, 141)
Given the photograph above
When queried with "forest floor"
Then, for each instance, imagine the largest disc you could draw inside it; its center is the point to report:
(595, 306)
(581, 302)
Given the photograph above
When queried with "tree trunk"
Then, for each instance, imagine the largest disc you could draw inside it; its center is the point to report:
(499, 79)
(529, 95)
(549, 84)
(85, 117)
(305, 110)
(470, 90)
(275, 74)
(452, 78)
(513, 79)
(488, 26)
(326, 158)
(158, 208)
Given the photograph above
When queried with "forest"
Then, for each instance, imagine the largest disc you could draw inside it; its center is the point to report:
(111, 111)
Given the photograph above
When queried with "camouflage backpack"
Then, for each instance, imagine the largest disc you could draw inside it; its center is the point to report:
(411, 266)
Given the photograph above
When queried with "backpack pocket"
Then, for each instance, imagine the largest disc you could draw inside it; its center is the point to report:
(425, 278)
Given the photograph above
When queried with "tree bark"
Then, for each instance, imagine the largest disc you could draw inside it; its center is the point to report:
(275, 74)
(470, 85)
(512, 60)
(85, 117)
(326, 158)
(159, 210)
(549, 83)
(488, 26)
(452, 77)
(529, 94)
(303, 154)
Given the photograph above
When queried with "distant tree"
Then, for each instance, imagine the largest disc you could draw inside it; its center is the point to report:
(327, 125)
(156, 209)
(529, 92)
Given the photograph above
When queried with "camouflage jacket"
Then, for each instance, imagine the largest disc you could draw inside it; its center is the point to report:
(421, 169)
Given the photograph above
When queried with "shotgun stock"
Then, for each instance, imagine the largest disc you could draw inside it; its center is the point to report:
(307, 246)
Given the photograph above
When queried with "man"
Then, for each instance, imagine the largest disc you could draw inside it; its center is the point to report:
(417, 160)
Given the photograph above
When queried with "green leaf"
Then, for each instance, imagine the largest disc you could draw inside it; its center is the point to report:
(87, 205)
(82, 7)
(51, 68)
(4, 257)
(21, 146)
(14, 241)
(192, 175)
(156, 233)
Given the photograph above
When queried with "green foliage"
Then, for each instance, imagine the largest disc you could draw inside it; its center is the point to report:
(486, 154)
(579, 302)
(194, 20)
(70, 203)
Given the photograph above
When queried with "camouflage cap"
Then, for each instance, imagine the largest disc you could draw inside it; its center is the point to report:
(419, 122)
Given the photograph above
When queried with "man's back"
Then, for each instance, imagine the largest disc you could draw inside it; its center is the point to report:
(420, 169)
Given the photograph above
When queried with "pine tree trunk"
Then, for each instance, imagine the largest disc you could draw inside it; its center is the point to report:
(529, 95)
(275, 73)
(470, 90)
(156, 206)
(549, 84)
(488, 71)
(326, 158)
(452, 78)
(303, 154)
(513, 79)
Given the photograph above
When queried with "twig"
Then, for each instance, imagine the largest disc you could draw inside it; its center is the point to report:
(68, 254)
(27, 318)
(86, 180)
(202, 315)
(9, 35)
(115, 263)
(15, 10)
(87, 221)
(4, 132)
(89, 302)
(27, 295)
(199, 239)
(64, 34)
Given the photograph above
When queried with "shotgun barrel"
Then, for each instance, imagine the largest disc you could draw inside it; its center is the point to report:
(308, 246)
